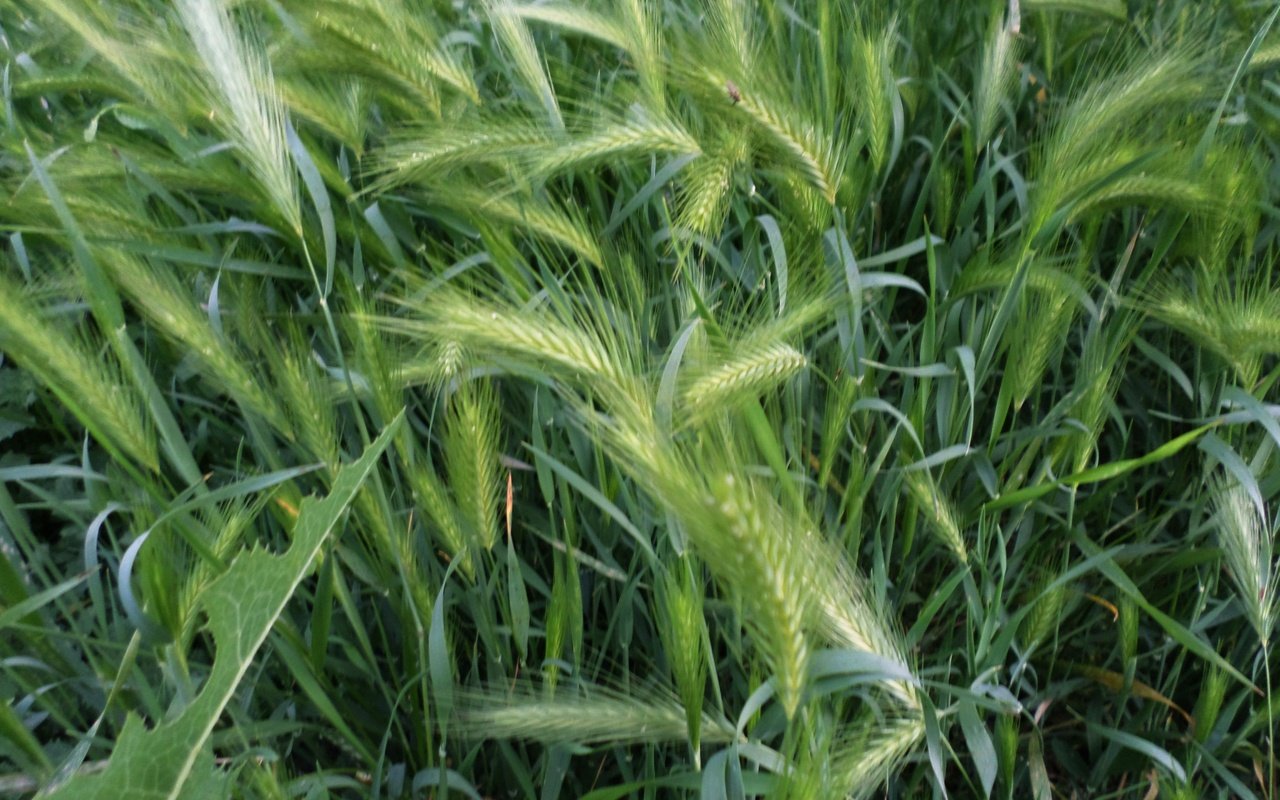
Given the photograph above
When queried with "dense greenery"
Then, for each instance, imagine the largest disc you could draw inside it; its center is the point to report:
(692, 398)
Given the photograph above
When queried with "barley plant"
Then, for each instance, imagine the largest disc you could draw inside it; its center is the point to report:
(639, 398)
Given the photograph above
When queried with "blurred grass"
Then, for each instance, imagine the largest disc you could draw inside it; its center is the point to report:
(800, 400)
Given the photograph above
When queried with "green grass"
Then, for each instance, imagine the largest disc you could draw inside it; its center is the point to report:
(640, 398)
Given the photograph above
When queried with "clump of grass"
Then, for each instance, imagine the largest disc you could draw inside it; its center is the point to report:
(693, 314)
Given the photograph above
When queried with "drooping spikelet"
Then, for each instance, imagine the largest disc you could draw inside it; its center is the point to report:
(1247, 550)
(587, 715)
(176, 314)
(100, 397)
(759, 557)
(748, 373)
(643, 136)
(995, 78)
(247, 106)
(938, 510)
(813, 152)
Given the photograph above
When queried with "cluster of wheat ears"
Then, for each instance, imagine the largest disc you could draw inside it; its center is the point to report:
(709, 398)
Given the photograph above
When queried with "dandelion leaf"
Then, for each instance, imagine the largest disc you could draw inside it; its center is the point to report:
(173, 760)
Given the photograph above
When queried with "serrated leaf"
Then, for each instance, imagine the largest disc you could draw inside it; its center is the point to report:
(173, 759)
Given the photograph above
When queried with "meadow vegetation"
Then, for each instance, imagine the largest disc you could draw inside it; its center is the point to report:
(638, 398)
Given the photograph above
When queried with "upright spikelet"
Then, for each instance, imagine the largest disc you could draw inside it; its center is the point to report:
(1098, 377)
(441, 514)
(645, 36)
(1046, 317)
(1213, 690)
(1046, 613)
(874, 52)
(729, 31)
(683, 630)
(471, 455)
(301, 388)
